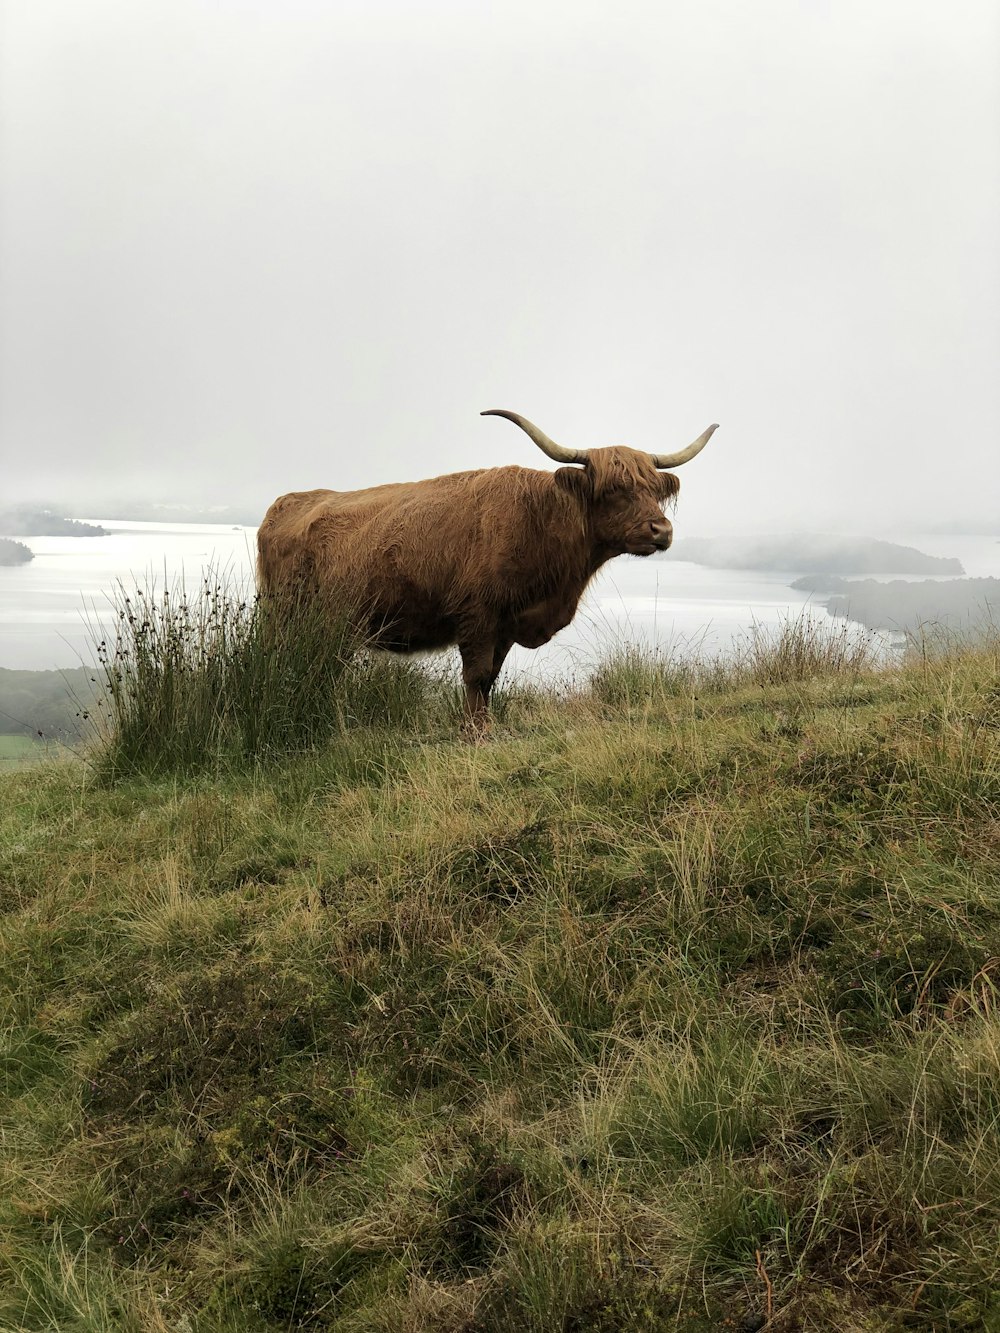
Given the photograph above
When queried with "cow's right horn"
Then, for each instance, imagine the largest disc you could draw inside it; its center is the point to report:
(547, 446)
(685, 455)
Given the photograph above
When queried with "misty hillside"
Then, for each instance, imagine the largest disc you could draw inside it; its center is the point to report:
(674, 1005)
(43, 701)
(808, 554)
(953, 604)
(14, 553)
(27, 521)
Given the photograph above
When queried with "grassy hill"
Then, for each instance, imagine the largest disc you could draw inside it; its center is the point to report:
(674, 1005)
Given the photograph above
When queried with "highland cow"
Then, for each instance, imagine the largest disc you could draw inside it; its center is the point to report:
(481, 559)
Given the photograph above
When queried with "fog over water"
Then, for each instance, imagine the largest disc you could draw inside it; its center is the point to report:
(43, 604)
(50, 606)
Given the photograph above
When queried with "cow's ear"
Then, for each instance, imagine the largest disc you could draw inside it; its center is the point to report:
(669, 485)
(576, 480)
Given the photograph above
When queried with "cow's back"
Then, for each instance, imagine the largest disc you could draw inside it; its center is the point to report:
(424, 556)
(363, 538)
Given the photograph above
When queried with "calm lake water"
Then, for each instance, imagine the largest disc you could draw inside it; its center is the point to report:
(664, 601)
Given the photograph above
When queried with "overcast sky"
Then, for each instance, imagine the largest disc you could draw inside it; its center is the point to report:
(254, 247)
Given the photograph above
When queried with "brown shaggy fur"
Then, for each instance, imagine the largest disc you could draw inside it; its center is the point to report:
(480, 559)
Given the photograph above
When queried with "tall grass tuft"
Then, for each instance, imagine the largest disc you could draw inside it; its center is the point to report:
(631, 675)
(801, 648)
(795, 650)
(217, 677)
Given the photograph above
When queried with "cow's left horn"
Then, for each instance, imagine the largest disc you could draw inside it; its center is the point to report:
(547, 446)
(685, 455)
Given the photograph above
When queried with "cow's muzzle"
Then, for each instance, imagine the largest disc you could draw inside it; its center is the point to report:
(657, 537)
(662, 533)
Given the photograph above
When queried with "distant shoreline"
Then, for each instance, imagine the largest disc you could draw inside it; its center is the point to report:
(240, 518)
(43, 520)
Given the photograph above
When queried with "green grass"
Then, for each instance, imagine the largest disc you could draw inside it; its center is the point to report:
(677, 1005)
(18, 750)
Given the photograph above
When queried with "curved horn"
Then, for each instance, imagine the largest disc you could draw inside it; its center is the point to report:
(547, 446)
(685, 455)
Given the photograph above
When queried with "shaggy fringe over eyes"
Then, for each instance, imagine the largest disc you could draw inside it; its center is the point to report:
(670, 485)
(629, 470)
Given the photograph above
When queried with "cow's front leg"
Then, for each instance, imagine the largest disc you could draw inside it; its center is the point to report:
(481, 663)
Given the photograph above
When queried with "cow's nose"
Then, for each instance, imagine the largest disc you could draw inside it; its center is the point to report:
(662, 531)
